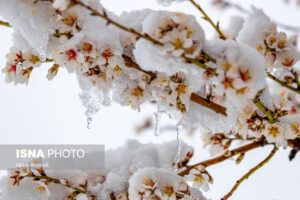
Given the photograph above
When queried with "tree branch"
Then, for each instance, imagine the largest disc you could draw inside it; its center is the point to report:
(207, 18)
(296, 78)
(208, 104)
(263, 108)
(283, 84)
(247, 175)
(3, 23)
(225, 156)
(56, 181)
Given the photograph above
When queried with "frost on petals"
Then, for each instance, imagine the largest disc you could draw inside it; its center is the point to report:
(262, 34)
(199, 178)
(240, 69)
(19, 65)
(150, 183)
(181, 35)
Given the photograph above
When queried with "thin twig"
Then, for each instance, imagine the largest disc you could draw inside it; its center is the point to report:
(263, 108)
(283, 84)
(225, 156)
(3, 23)
(209, 104)
(56, 181)
(199, 64)
(207, 18)
(296, 78)
(247, 175)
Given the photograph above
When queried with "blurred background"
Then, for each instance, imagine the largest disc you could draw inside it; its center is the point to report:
(51, 113)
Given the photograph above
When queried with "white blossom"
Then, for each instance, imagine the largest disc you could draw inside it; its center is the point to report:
(61, 4)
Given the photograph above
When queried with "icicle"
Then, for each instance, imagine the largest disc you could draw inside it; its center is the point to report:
(89, 119)
(91, 98)
(92, 103)
(179, 145)
(89, 122)
(157, 115)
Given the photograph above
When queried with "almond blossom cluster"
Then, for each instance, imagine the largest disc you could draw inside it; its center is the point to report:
(281, 103)
(277, 49)
(252, 122)
(20, 65)
(240, 70)
(218, 143)
(179, 36)
(200, 178)
(152, 183)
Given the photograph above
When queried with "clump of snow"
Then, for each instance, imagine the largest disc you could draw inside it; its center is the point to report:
(240, 69)
(234, 27)
(261, 33)
(152, 183)
(181, 35)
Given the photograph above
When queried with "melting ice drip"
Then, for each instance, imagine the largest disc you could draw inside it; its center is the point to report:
(179, 145)
(157, 115)
(92, 103)
(90, 112)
